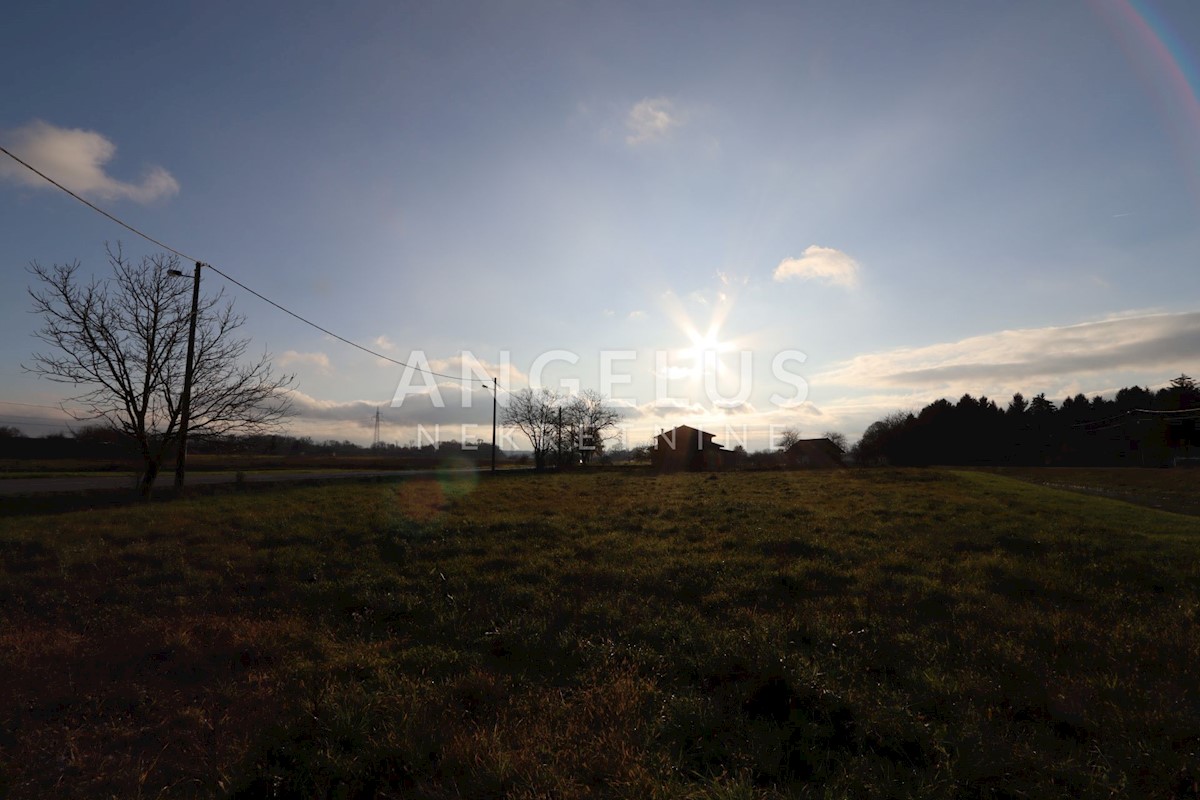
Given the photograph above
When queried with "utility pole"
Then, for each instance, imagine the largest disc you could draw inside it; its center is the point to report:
(495, 400)
(375, 441)
(185, 401)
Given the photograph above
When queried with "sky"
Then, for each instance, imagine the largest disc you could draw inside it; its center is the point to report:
(737, 216)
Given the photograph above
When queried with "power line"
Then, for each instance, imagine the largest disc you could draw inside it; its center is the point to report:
(29, 405)
(94, 207)
(342, 339)
(1176, 414)
(234, 281)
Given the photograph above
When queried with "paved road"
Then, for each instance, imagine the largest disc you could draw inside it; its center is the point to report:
(88, 483)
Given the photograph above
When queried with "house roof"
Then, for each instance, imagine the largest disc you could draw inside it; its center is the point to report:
(809, 444)
(679, 428)
(686, 432)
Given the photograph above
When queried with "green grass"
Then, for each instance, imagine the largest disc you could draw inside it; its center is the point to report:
(1175, 490)
(850, 634)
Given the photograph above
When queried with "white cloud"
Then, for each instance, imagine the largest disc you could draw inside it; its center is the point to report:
(637, 313)
(669, 407)
(651, 119)
(820, 263)
(447, 407)
(472, 367)
(76, 159)
(674, 373)
(1023, 360)
(385, 344)
(293, 357)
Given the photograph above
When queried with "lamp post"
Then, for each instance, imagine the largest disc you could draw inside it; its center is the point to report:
(185, 400)
(495, 396)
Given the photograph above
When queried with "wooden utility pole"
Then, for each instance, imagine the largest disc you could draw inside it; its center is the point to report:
(495, 400)
(185, 401)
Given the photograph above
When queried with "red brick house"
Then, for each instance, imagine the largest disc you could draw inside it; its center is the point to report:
(687, 449)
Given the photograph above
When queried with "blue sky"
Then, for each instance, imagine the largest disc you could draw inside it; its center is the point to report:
(923, 198)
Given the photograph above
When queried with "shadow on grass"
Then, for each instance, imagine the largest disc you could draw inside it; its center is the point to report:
(64, 502)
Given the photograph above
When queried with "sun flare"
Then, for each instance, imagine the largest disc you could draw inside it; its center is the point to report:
(708, 342)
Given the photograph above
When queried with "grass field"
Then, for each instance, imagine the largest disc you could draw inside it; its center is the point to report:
(1175, 490)
(853, 634)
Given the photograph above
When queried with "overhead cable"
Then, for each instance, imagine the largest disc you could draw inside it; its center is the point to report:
(232, 280)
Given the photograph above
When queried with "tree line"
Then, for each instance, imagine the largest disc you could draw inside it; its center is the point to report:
(1136, 427)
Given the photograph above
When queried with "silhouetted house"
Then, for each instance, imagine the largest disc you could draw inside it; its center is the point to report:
(814, 454)
(686, 449)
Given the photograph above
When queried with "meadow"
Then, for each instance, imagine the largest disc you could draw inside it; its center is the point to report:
(864, 633)
(1167, 489)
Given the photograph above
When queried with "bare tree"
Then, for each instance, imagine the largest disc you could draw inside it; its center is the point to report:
(123, 342)
(536, 414)
(590, 423)
(837, 438)
(789, 437)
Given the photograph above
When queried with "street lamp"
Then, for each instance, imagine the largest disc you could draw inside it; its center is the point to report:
(185, 400)
(495, 395)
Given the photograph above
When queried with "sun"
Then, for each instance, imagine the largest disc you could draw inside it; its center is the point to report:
(705, 351)
(708, 342)
(707, 345)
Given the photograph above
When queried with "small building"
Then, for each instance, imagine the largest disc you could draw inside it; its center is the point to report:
(814, 454)
(687, 449)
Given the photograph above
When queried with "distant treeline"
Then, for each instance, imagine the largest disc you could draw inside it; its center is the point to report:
(97, 442)
(1137, 427)
(279, 445)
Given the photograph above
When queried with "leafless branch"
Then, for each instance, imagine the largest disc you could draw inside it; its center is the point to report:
(123, 343)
